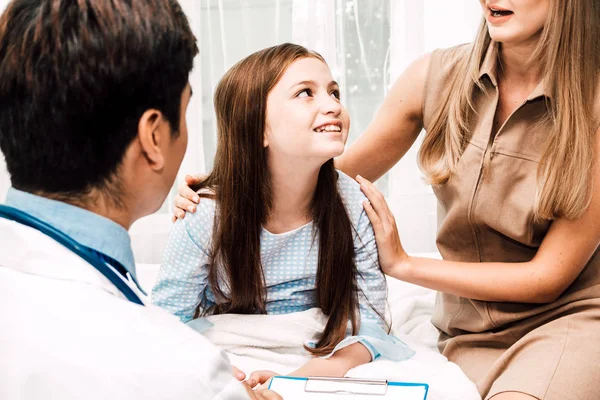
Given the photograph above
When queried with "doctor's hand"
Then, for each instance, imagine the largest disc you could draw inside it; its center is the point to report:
(186, 199)
(261, 378)
(238, 374)
(390, 250)
(261, 394)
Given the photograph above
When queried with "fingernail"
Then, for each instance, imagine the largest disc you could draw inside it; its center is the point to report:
(192, 208)
(251, 383)
(358, 177)
(196, 199)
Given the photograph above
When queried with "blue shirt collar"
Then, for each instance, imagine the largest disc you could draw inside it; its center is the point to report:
(85, 227)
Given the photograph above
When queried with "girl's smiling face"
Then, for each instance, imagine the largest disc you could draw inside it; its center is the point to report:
(305, 119)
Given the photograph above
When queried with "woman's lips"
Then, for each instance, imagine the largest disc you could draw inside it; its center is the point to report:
(498, 15)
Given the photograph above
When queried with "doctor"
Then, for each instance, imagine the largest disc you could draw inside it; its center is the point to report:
(93, 97)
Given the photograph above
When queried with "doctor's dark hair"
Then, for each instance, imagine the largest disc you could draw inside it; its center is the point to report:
(76, 77)
(240, 179)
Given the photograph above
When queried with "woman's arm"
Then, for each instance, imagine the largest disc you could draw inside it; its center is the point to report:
(394, 128)
(564, 252)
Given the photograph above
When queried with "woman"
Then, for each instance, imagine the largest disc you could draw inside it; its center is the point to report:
(511, 149)
(283, 231)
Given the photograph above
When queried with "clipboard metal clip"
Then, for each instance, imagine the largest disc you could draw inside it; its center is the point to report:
(373, 387)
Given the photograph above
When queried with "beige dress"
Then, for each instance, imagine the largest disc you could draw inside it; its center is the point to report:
(549, 351)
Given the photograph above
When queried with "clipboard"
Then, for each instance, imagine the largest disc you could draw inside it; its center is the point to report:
(321, 388)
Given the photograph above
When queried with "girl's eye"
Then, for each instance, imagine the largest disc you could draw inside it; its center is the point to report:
(336, 94)
(305, 93)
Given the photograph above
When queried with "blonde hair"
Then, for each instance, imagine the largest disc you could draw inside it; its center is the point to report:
(569, 50)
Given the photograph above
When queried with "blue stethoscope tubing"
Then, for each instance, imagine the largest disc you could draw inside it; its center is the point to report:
(90, 257)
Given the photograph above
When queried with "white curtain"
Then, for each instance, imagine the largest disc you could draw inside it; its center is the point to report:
(367, 44)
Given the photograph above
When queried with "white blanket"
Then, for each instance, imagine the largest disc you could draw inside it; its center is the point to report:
(275, 342)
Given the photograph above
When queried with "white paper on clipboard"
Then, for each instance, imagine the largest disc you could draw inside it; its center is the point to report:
(317, 388)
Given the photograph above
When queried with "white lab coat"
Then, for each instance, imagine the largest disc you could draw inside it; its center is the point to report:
(67, 333)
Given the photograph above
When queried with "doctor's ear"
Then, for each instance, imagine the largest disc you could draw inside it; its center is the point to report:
(154, 132)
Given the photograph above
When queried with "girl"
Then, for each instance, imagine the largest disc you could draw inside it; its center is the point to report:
(283, 231)
(511, 148)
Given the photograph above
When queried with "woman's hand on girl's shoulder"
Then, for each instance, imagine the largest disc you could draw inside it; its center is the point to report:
(186, 198)
(389, 247)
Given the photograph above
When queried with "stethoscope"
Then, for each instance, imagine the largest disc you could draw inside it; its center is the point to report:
(114, 271)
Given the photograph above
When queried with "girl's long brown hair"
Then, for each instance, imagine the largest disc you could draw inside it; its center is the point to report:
(241, 183)
(569, 53)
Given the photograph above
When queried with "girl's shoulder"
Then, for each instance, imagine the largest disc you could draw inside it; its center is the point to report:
(206, 209)
(199, 224)
(352, 196)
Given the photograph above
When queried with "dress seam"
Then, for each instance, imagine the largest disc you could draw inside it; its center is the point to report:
(562, 352)
(516, 155)
(476, 190)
